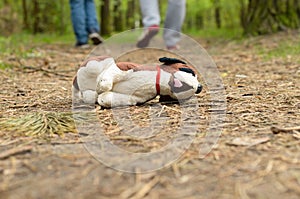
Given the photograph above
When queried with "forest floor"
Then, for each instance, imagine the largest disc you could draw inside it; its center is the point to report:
(256, 156)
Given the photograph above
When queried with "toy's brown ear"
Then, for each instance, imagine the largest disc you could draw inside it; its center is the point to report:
(75, 83)
(127, 65)
(96, 58)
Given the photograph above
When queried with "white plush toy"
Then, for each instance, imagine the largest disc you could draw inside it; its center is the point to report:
(101, 80)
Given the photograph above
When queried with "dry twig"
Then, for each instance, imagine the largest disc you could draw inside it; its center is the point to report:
(146, 189)
(277, 130)
(15, 151)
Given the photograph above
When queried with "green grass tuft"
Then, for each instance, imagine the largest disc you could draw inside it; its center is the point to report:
(285, 50)
(45, 124)
(214, 33)
(19, 43)
(4, 65)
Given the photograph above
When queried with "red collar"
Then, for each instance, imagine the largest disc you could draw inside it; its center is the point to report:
(157, 85)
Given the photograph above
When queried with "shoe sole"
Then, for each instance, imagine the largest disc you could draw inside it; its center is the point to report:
(144, 42)
(96, 39)
(173, 48)
(84, 46)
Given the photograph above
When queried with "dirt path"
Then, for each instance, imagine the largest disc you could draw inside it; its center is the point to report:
(250, 160)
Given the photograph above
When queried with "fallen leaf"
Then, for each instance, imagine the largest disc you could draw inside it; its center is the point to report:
(241, 76)
(247, 141)
(296, 135)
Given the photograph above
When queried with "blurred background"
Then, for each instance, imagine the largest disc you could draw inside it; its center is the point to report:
(206, 18)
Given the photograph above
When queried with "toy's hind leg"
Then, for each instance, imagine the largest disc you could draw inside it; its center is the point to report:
(109, 76)
(112, 99)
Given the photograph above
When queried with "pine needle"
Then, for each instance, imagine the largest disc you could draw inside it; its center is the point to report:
(43, 124)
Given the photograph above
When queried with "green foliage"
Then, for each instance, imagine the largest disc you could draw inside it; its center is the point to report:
(54, 16)
(20, 44)
(44, 124)
(214, 33)
(231, 13)
(4, 65)
(264, 17)
(35, 16)
(207, 18)
(285, 50)
(201, 14)
(10, 21)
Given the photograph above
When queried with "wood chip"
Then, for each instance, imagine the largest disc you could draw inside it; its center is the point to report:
(15, 151)
(277, 130)
(247, 141)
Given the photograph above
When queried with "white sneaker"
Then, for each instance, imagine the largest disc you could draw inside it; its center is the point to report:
(96, 38)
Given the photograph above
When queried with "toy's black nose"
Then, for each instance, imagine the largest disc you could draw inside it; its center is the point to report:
(199, 89)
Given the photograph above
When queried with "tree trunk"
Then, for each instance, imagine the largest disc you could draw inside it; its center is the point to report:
(25, 15)
(263, 17)
(217, 13)
(243, 14)
(106, 28)
(130, 15)
(118, 16)
(62, 21)
(36, 13)
(297, 3)
(199, 20)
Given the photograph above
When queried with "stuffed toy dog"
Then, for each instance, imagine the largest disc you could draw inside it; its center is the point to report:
(101, 80)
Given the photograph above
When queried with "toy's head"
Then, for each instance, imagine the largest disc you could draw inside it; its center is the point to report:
(183, 82)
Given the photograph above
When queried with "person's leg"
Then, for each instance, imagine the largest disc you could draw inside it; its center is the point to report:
(174, 20)
(78, 21)
(92, 22)
(151, 21)
(91, 17)
(150, 12)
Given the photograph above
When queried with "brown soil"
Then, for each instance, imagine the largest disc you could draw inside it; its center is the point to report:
(256, 156)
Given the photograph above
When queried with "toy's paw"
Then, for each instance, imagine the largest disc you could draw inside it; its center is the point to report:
(105, 99)
(89, 97)
(104, 85)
